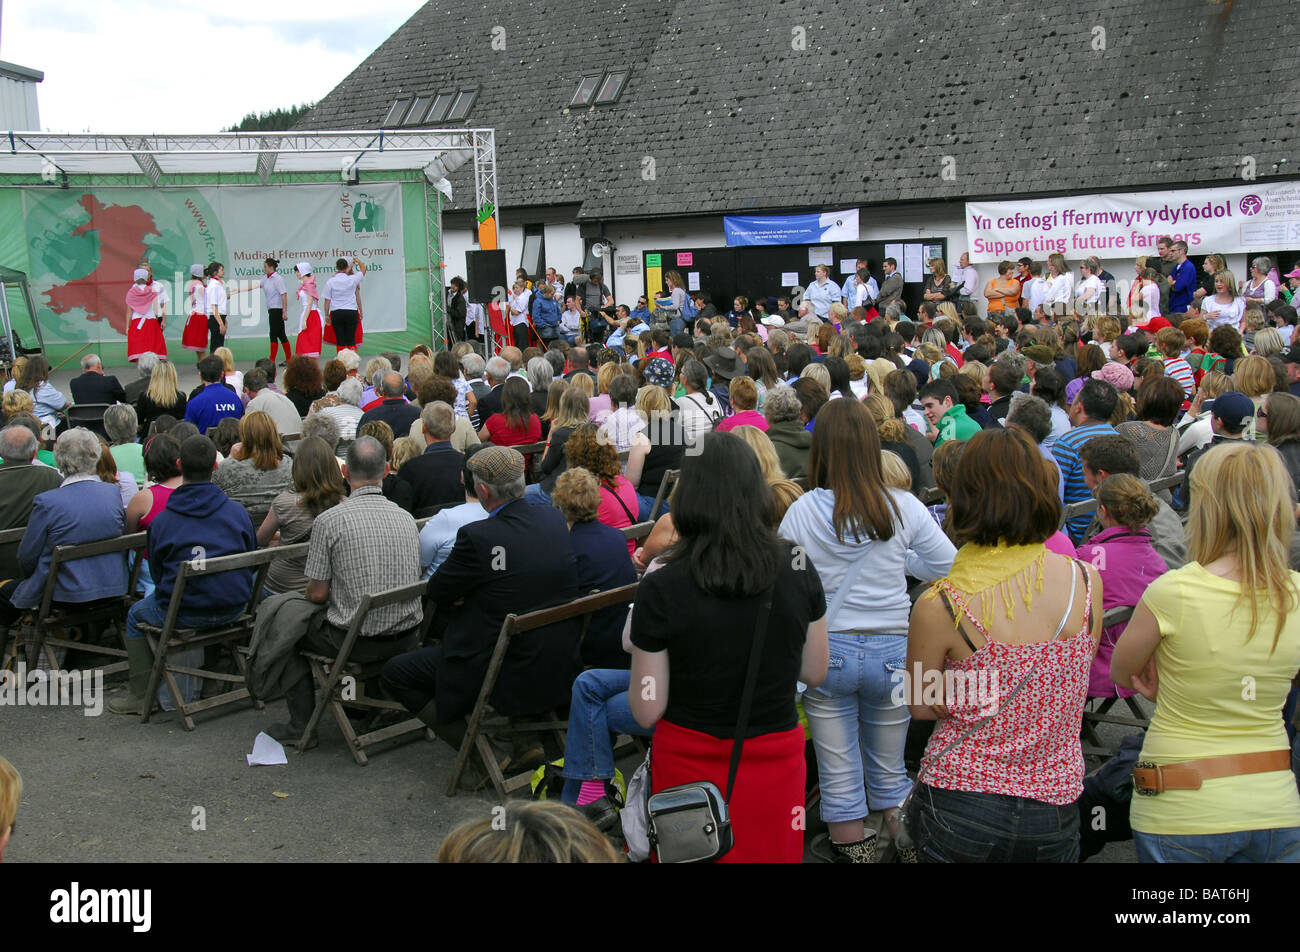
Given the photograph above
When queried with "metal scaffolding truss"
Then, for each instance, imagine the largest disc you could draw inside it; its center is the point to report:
(268, 158)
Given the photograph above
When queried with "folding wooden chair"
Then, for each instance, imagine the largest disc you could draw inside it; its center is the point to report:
(666, 486)
(1084, 507)
(532, 453)
(1097, 710)
(932, 496)
(327, 674)
(11, 538)
(171, 638)
(1167, 482)
(483, 720)
(638, 531)
(50, 617)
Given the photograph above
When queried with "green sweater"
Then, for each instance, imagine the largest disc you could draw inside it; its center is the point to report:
(956, 425)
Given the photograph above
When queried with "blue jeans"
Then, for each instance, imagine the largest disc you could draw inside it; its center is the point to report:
(953, 826)
(1248, 846)
(855, 722)
(150, 611)
(599, 709)
(535, 495)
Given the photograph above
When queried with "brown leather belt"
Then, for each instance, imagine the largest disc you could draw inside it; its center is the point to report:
(1150, 780)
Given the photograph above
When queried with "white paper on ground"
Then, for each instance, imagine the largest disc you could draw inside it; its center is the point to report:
(267, 752)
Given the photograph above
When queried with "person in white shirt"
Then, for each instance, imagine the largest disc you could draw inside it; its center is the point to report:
(1225, 306)
(1090, 288)
(273, 290)
(215, 305)
(966, 277)
(1150, 292)
(860, 287)
(342, 308)
(1060, 285)
(517, 305)
(1035, 288)
(571, 321)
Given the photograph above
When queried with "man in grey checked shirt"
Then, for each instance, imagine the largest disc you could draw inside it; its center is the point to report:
(365, 544)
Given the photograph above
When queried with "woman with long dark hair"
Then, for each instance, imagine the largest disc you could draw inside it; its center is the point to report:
(865, 539)
(516, 424)
(693, 630)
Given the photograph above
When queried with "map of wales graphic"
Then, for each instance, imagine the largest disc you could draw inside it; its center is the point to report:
(101, 294)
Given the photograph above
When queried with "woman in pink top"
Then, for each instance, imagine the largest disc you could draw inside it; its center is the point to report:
(588, 449)
(999, 652)
(744, 400)
(1122, 552)
(162, 464)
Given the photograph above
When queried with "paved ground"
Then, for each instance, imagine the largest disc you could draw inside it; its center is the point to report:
(110, 789)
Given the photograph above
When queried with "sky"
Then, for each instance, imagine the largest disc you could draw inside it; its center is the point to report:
(187, 66)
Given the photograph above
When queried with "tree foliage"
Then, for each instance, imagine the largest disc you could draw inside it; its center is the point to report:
(275, 120)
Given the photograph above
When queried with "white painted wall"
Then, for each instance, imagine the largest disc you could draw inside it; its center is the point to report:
(564, 245)
(18, 108)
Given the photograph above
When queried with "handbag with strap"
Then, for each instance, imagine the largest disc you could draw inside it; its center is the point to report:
(690, 823)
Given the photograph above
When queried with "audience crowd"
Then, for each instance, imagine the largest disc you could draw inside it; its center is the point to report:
(867, 498)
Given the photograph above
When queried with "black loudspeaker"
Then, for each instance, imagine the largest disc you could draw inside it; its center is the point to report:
(485, 271)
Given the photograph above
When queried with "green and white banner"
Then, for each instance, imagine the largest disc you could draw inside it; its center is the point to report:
(84, 244)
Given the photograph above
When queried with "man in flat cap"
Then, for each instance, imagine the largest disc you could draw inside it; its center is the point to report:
(518, 560)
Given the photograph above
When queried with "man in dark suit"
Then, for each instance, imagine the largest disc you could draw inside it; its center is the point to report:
(891, 289)
(434, 475)
(394, 410)
(498, 369)
(136, 388)
(519, 559)
(22, 479)
(93, 386)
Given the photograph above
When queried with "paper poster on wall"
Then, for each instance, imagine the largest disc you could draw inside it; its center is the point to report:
(627, 264)
(824, 255)
(654, 261)
(848, 266)
(685, 259)
(895, 252)
(789, 279)
(932, 252)
(692, 280)
(913, 269)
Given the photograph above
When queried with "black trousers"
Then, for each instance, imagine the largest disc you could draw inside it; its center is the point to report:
(521, 335)
(215, 337)
(345, 327)
(410, 678)
(275, 316)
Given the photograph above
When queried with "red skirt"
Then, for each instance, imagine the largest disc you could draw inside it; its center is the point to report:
(329, 333)
(195, 335)
(767, 804)
(143, 336)
(309, 340)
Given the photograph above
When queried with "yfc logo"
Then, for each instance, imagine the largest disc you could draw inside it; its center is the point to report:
(367, 215)
(1251, 204)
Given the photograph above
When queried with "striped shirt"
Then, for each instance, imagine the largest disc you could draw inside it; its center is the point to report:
(1066, 450)
(1181, 371)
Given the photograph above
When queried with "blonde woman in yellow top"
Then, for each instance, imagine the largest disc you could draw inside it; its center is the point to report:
(1216, 645)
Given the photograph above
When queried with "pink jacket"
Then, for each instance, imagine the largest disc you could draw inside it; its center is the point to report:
(1127, 563)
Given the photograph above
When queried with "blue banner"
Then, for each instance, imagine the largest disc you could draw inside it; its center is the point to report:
(808, 229)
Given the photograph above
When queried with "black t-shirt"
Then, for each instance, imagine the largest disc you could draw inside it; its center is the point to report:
(708, 641)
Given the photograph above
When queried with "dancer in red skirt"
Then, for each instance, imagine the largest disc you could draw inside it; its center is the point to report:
(144, 332)
(195, 335)
(309, 324)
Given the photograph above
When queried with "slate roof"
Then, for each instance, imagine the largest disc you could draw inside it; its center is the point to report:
(736, 119)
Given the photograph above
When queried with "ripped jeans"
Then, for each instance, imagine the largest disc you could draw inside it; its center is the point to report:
(855, 722)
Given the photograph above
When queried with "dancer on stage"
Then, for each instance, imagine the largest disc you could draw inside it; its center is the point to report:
(309, 324)
(272, 285)
(195, 335)
(343, 305)
(144, 330)
(215, 305)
